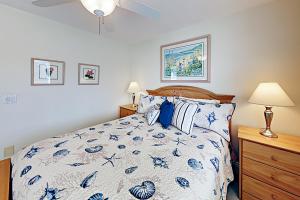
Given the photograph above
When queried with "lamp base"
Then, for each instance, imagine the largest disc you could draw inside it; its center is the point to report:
(133, 99)
(268, 133)
(268, 117)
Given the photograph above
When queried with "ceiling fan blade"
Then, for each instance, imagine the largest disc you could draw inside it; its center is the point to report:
(48, 3)
(139, 8)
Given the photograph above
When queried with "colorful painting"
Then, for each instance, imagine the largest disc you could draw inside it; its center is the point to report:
(186, 61)
(88, 74)
(47, 72)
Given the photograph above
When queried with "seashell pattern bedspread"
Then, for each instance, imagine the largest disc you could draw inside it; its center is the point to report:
(124, 159)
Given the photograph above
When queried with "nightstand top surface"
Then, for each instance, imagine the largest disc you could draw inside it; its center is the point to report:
(284, 141)
(129, 107)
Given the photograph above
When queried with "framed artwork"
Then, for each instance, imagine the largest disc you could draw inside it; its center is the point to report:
(47, 72)
(186, 61)
(88, 74)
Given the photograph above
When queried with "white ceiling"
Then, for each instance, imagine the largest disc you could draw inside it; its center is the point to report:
(130, 27)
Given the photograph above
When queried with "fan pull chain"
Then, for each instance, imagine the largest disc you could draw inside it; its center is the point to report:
(101, 20)
(99, 25)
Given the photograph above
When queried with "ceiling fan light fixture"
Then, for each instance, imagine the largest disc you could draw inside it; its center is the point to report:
(99, 7)
(99, 13)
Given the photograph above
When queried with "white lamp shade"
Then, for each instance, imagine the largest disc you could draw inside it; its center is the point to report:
(106, 6)
(133, 88)
(270, 94)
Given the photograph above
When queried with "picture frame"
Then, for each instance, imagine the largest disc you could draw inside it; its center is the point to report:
(186, 61)
(45, 72)
(88, 74)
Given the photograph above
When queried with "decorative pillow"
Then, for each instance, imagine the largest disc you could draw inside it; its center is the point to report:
(152, 115)
(166, 113)
(200, 101)
(146, 101)
(183, 117)
(215, 117)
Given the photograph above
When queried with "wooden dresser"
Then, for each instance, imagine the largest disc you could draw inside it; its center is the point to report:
(127, 110)
(269, 168)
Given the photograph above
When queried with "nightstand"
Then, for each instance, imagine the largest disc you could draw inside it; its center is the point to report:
(269, 167)
(127, 110)
(4, 178)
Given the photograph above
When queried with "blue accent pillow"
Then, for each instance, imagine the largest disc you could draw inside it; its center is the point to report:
(166, 113)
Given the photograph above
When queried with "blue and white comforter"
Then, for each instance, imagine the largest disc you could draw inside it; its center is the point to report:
(124, 160)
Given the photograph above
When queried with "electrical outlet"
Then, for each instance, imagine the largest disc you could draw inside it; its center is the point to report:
(9, 151)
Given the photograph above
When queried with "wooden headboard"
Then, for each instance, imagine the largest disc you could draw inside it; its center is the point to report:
(190, 92)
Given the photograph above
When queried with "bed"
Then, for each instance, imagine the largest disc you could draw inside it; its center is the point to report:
(127, 159)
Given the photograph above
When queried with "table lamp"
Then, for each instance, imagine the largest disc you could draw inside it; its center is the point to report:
(269, 95)
(133, 89)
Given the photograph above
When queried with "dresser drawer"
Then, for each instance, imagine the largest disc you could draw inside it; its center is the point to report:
(275, 157)
(279, 178)
(263, 191)
(247, 196)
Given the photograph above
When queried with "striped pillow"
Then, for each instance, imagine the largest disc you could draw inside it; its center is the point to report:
(183, 117)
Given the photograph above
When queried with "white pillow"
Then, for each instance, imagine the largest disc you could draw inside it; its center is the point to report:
(152, 115)
(183, 117)
(146, 101)
(215, 117)
(190, 100)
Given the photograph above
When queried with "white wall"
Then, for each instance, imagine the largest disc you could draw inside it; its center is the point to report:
(50, 110)
(260, 44)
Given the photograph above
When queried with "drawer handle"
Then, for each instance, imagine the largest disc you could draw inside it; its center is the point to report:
(273, 158)
(273, 177)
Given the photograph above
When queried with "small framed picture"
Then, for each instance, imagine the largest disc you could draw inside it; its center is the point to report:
(47, 72)
(88, 74)
(186, 61)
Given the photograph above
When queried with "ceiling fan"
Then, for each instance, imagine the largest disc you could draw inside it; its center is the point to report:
(102, 8)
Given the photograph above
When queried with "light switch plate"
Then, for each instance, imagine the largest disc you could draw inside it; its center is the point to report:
(9, 151)
(9, 99)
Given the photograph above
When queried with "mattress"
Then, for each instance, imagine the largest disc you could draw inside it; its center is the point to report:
(125, 159)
